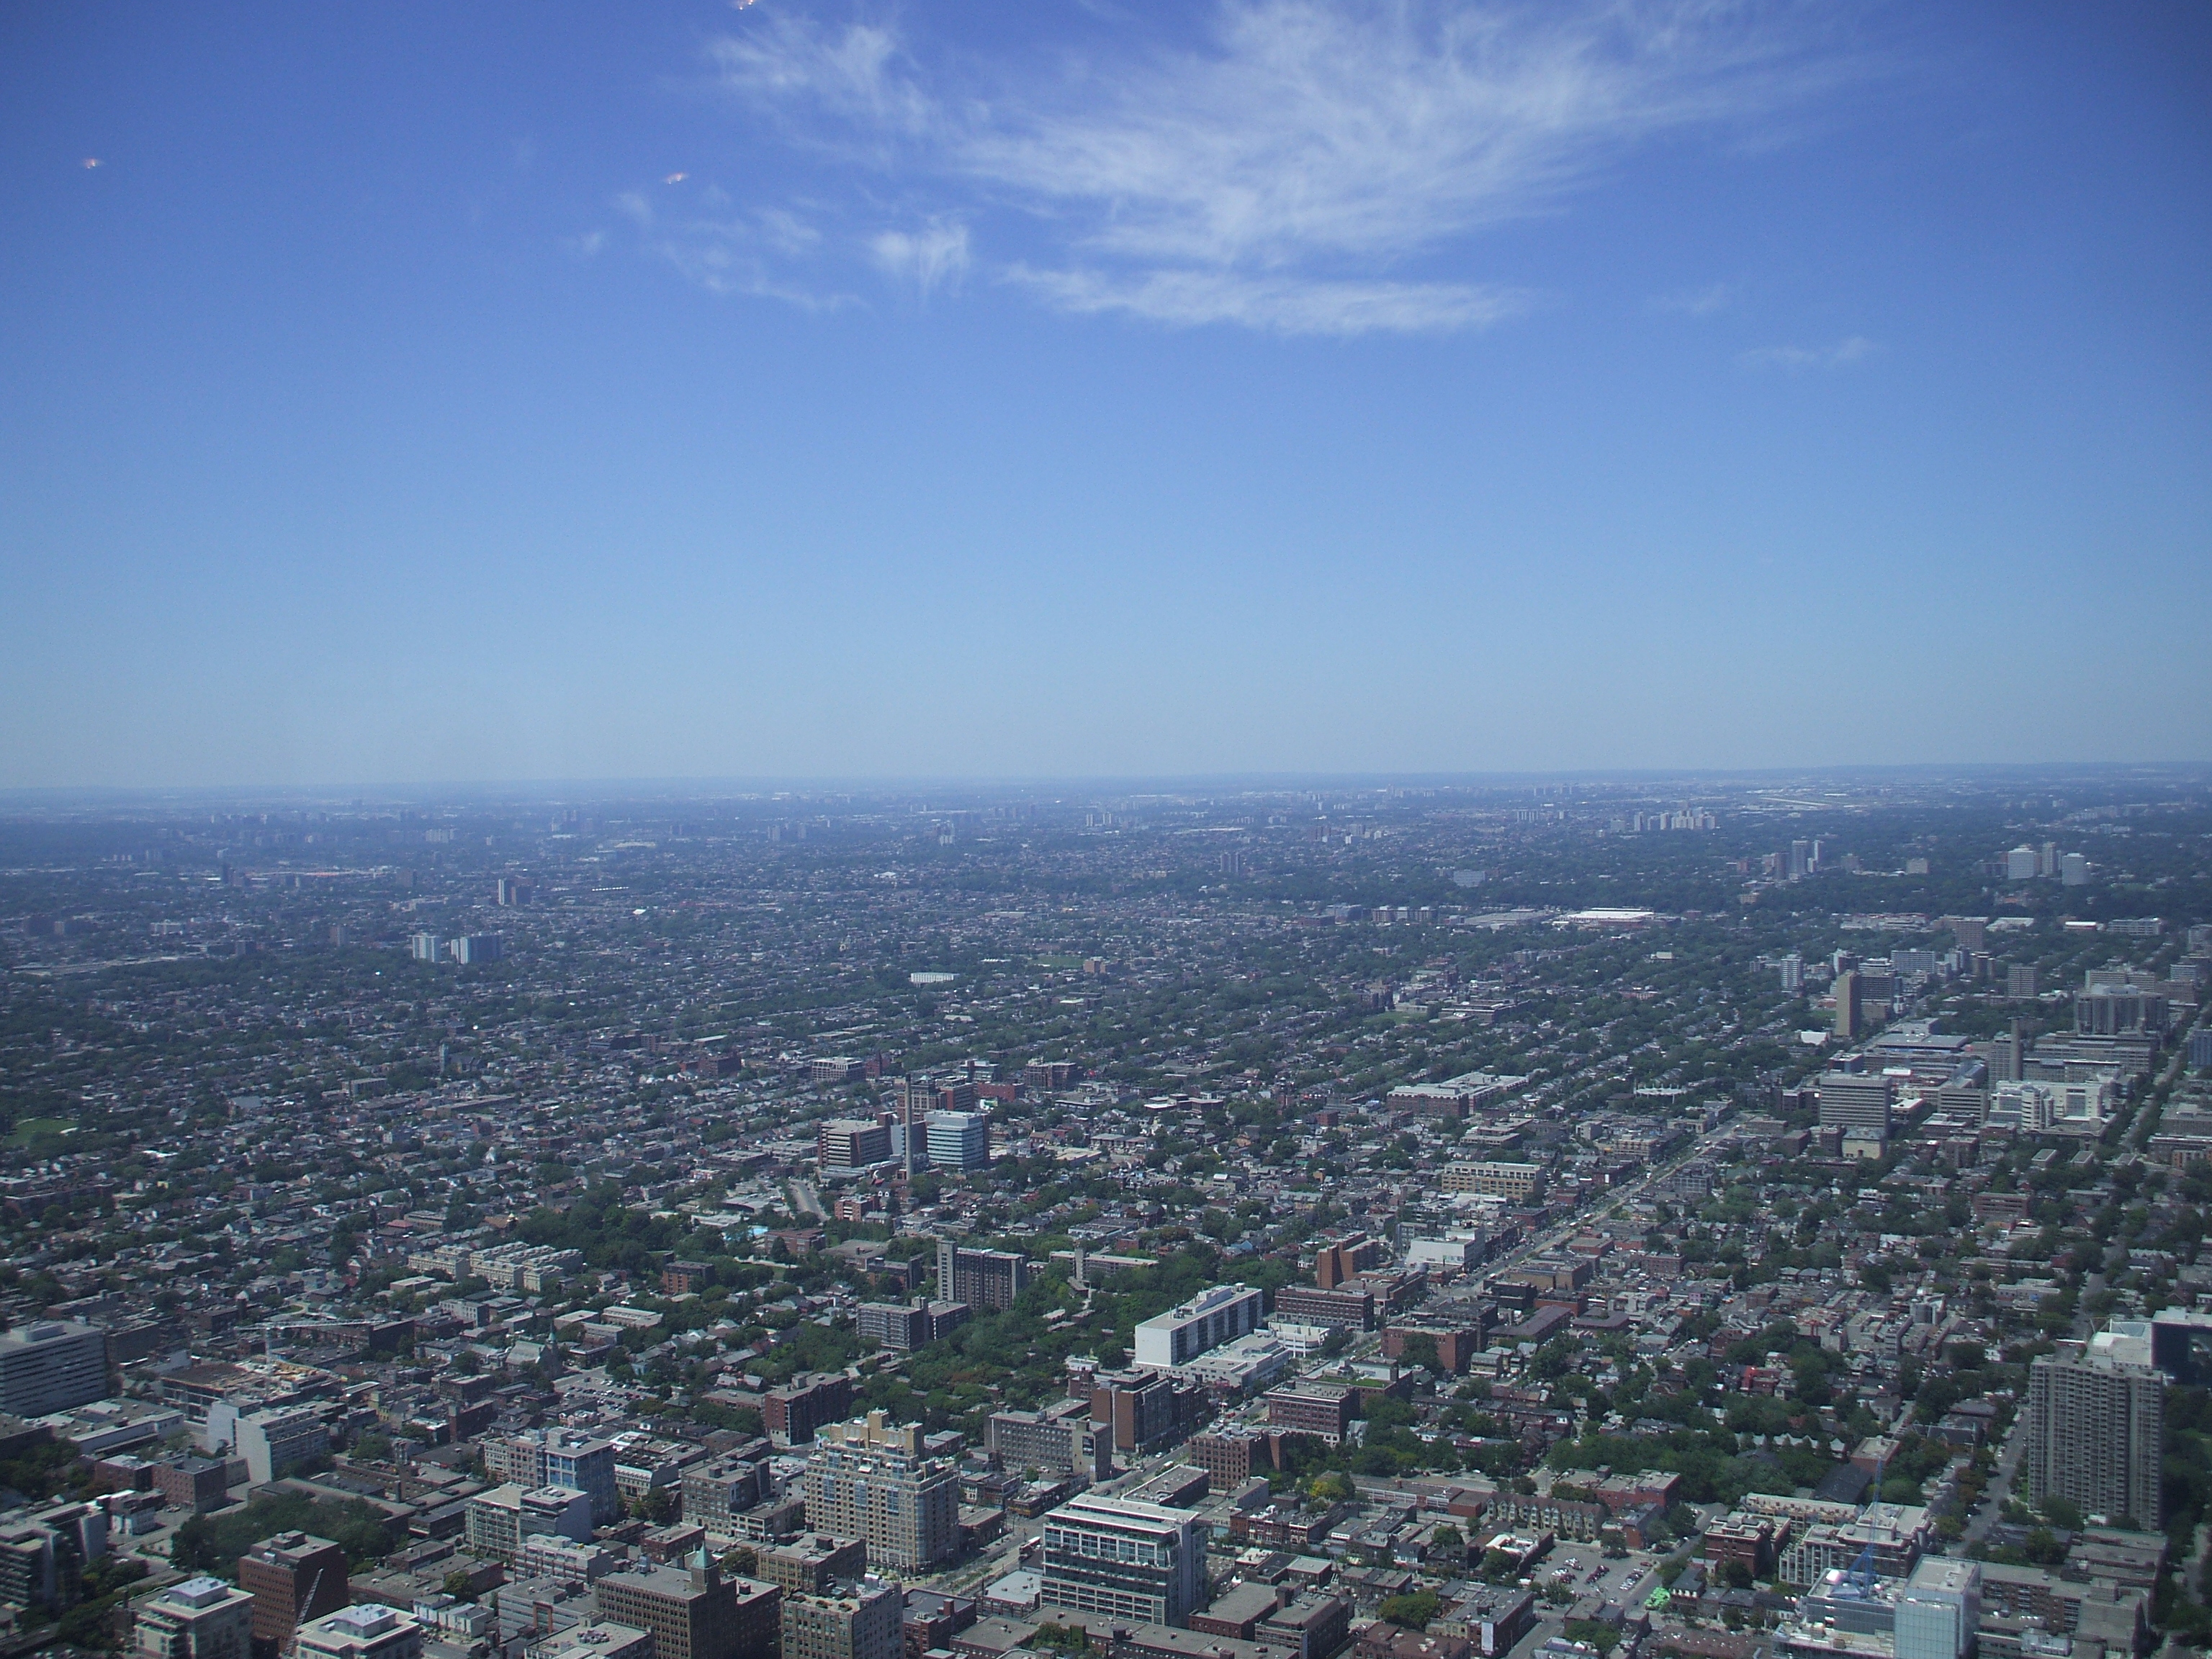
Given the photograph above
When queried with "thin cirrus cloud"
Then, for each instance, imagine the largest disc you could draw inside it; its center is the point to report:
(746, 253)
(1792, 358)
(1706, 301)
(1281, 174)
(933, 257)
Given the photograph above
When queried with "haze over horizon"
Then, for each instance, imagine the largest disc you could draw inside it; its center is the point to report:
(820, 391)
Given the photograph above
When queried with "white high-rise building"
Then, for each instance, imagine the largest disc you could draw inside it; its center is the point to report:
(1206, 1321)
(51, 1365)
(1939, 1609)
(1122, 1559)
(959, 1140)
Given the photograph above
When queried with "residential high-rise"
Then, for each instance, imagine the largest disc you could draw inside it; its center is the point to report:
(202, 1618)
(501, 1519)
(1848, 1013)
(959, 1140)
(1123, 1560)
(2114, 1011)
(587, 1464)
(1058, 1438)
(51, 1365)
(900, 1326)
(1209, 1319)
(717, 1492)
(905, 1326)
(865, 1624)
(1793, 973)
(561, 1457)
(2095, 1433)
(271, 1443)
(1144, 1410)
(794, 1412)
(845, 1144)
(2008, 1055)
(868, 1479)
(1347, 1258)
(1852, 1100)
(693, 1611)
(982, 1279)
(2019, 982)
(292, 1578)
(1939, 1609)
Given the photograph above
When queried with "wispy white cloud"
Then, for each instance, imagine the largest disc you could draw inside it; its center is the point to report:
(1794, 358)
(742, 253)
(1280, 304)
(850, 72)
(1304, 166)
(1697, 301)
(934, 257)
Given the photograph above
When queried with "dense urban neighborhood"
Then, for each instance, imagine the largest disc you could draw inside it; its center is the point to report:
(1729, 1218)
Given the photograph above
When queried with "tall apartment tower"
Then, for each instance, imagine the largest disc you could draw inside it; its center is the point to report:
(868, 1479)
(982, 1279)
(1848, 1016)
(916, 1100)
(1124, 1559)
(2008, 1055)
(2095, 1430)
(293, 1578)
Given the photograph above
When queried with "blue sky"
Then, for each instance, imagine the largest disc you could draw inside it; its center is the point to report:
(416, 393)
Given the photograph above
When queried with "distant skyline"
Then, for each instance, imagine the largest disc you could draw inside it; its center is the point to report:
(1095, 391)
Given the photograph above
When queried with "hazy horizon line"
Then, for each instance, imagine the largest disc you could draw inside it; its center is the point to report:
(1121, 781)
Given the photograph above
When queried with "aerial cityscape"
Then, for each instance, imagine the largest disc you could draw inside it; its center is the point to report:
(1707, 1217)
(1106, 829)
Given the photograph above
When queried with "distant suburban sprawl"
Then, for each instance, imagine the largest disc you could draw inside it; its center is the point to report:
(1748, 1218)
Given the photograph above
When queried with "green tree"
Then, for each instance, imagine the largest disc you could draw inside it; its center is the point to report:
(2062, 1512)
(1410, 1612)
